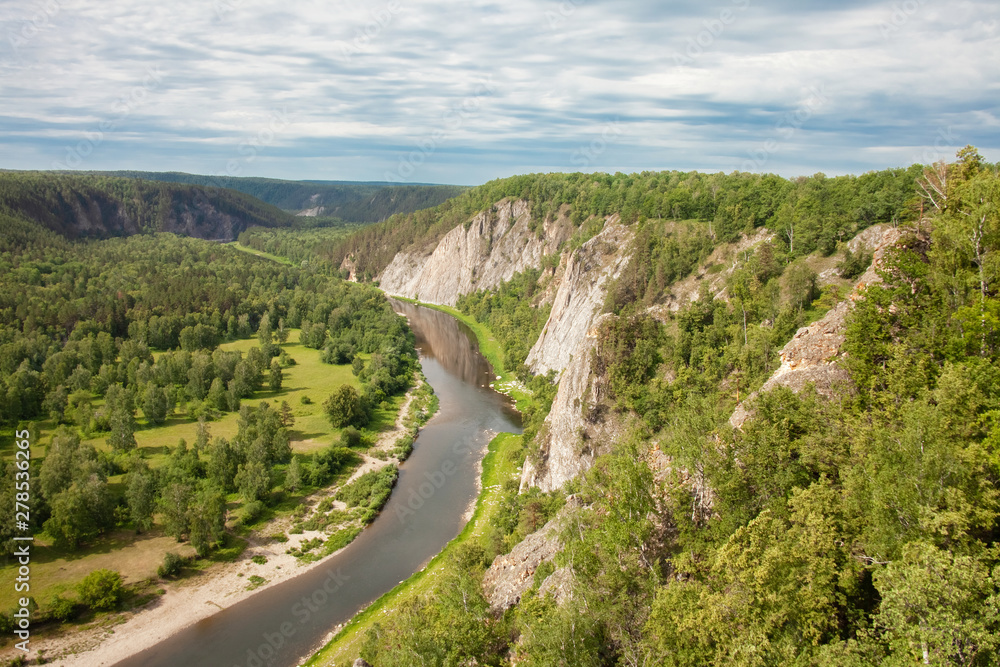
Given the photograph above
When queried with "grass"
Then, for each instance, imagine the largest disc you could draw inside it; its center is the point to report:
(500, 464)
(136, 557)
(260, 253)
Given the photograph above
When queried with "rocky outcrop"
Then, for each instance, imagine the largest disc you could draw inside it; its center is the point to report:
(511, 575)
(580, 296)
(494, 246)
(579, 427)
(559, 585)
(812, 356)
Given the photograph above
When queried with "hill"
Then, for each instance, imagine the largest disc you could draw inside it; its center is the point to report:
(91, 206)
(762, 422)
(348, 200)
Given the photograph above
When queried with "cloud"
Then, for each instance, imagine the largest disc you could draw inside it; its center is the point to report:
(486, 89)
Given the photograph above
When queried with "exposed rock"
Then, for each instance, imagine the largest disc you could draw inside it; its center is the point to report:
(687, 290)
(813, 354)
(511, 575)
(361, 663)
(580, 296)
(579, 426)
(494, 246)
(559, 585)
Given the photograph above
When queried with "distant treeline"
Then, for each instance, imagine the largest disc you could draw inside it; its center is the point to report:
(349, 201)
(102, 206)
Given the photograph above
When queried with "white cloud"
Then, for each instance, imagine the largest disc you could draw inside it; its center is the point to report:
(497, 86)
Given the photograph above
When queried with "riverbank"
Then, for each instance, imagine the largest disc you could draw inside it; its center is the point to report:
(502, 462)
(489, 347)
(263, 564)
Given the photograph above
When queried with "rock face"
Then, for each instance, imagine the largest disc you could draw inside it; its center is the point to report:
(510, 576)
(482, 255)
(813, 353)
(578, 427)
(580, 297)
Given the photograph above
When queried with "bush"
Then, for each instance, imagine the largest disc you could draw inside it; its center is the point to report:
(101, 589)
(350, 437)
(172, 564)
(252, 511)
(62, 609)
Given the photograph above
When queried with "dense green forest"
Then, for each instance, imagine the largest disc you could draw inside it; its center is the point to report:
(809, 213)
(101, 206)
(99, 339)
(301, 244)
(351, 201)
(862, 530)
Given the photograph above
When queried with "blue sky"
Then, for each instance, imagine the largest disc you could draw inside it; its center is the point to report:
(463, 92)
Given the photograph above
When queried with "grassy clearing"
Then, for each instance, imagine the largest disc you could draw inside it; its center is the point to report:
(136, 557)
(501, 463)
(260, 253)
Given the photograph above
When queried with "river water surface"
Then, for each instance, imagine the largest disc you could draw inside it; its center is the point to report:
(281, 625)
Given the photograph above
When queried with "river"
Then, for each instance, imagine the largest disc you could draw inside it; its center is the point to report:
(281, 625)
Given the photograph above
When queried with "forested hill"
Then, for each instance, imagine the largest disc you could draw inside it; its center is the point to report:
(348, 200)
(91, 206)
(810, 213)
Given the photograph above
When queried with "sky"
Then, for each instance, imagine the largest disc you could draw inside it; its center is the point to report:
(467, 91)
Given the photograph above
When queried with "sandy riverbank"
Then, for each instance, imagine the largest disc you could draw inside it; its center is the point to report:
(193, 599)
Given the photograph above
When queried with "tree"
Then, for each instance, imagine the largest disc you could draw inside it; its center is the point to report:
(293, 476)
(140, 495)
(282, 331)
(173, 504)
(155, 404)
(207, 517)
(344, 408)
(275, 378)
(81, 512)
(101, 589)
(287, 418)
(939, 608)
(253, 480)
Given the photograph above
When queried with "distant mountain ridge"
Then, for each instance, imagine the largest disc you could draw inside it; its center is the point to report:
(348, 200)
(91, 206)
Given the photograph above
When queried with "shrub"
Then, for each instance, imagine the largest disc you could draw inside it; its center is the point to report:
(62, 609)
(260, 559)
(252, 511)
(101, 589)
(172, 564)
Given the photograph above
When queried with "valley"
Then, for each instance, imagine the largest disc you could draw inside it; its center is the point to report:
(729, 388)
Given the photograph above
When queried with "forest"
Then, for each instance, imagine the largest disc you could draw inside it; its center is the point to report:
(103, 340)
(810, 213)
(349, 201)
(89, 206)
(862, 529)
(857, 530)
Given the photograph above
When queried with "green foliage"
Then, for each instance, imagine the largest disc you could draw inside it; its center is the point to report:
(172, 564)
(370, 492)
(101, 589)
(344, 407)
(510, 315)
(70, 203)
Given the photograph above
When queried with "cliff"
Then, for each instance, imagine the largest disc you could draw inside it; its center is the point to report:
(489, 250)
(580, 297)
